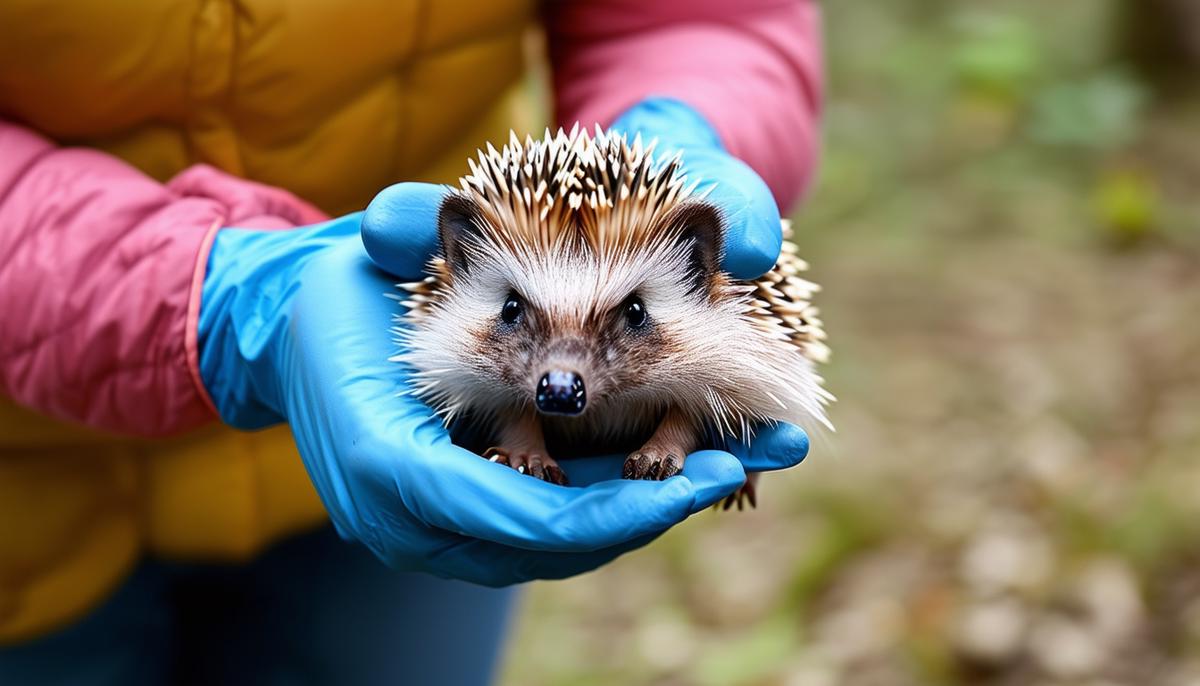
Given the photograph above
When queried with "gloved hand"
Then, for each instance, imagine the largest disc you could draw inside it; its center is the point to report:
(294, 326)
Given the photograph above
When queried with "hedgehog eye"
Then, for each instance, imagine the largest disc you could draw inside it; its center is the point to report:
(511, 312)
(635, 312)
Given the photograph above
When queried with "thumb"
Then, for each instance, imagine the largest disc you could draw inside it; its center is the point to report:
(752, 225)
(399, 228)
(774, 446)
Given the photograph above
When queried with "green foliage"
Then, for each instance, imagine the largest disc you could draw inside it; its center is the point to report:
(995, 54)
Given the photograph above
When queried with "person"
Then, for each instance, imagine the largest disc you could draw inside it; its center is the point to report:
(193, 355)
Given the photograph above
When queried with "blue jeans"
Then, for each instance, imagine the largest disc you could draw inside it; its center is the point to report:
(312, 610)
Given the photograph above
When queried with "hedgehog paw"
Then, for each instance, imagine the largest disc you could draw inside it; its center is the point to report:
(651, 464)
(534, 464)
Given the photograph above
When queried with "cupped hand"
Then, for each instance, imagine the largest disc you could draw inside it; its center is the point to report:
(294, 326)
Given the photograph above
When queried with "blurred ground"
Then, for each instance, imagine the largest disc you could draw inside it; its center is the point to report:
(1007, 227)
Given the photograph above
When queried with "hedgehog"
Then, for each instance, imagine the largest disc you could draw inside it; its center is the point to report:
(577, 306)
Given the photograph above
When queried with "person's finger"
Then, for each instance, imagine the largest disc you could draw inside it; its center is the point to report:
(777, 446)
(753, 233)
(716, 475)
(399, 228)
(713, 473)
(456, 490)
(773, 447)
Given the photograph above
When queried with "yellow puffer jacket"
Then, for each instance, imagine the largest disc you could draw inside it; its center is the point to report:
(332, 101)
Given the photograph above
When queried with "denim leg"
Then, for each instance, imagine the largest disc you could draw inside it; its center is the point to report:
(317, 610)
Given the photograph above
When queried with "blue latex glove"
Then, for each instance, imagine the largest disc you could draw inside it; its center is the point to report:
(294, 326)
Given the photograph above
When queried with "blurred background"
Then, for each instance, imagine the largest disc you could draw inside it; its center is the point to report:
(1007, 227)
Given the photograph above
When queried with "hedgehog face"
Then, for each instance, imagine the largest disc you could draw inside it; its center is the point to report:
(575, 328)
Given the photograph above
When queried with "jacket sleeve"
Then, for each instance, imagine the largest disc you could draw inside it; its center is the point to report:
(100, 274)
(751, 67)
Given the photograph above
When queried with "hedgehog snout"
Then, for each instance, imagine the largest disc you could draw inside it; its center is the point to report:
(561, 392)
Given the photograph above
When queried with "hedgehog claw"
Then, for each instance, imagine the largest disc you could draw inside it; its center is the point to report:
(672, 465)
(496, 454)
(534, 464)
(555, 475)
(747, 494)
(648, 465)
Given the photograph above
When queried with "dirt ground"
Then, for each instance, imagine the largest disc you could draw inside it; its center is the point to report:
(1007, 227)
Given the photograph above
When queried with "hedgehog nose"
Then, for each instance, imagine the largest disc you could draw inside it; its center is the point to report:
(561, 392)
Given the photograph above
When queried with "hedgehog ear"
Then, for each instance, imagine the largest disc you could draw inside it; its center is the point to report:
(700, 223)
(458, 225)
